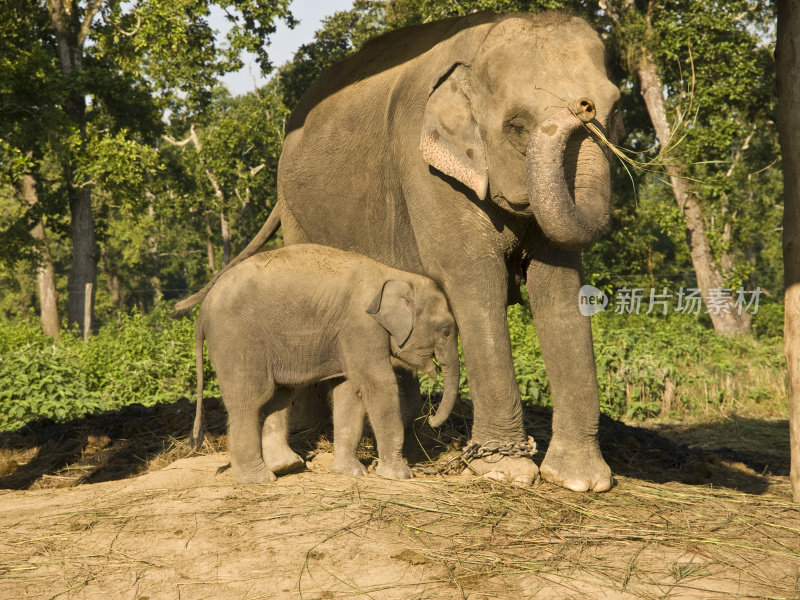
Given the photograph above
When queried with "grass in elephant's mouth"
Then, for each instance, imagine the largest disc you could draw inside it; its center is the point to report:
(656, 164)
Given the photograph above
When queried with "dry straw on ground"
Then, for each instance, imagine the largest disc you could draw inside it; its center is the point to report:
(184, 530)
(318, 535)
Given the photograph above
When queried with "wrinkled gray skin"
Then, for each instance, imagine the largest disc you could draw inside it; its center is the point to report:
(458, 149)
(308, 313)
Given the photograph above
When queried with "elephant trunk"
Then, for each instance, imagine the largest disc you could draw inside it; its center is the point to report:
(569, 179)
(447, 355)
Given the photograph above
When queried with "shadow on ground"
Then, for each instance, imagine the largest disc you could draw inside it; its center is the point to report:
(123, 443)
(101, 447)
(714, 453)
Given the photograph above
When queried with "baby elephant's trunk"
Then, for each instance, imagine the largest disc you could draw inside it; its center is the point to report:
(447, 355)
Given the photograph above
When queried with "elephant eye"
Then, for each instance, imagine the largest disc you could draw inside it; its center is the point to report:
(517, 134)
(446, 332)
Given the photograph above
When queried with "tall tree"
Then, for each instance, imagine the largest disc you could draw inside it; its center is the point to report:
(652, 36)
(230, 153)
(120, 65)
(72, 23)
(788, 61)
(30, 99)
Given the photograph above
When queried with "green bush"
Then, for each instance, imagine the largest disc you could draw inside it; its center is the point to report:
(768, 322)
(138, 358)
(638, 356)
(39, 378)
(149, 358)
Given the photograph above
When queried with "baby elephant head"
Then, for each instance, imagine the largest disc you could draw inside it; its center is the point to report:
(421, 326)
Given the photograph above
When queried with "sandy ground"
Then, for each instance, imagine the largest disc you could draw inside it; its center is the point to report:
(188, 532)
(118, 505)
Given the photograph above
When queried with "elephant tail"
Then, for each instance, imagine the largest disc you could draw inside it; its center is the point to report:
(198, 430)
(182, 307)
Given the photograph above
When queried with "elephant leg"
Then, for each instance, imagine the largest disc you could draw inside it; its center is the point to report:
(374, 383)
(310, 406)
(382, 402)
(419, 435)
(348, 426)
(244, 435)
(481, 316)
(278, 456)
(573, 459)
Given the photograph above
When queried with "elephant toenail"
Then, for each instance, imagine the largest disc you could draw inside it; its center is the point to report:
(576, 485)
(604, 485)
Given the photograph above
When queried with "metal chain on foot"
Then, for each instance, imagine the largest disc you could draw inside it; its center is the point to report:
(491, 449)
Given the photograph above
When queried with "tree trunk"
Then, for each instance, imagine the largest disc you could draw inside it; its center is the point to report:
(223, 219)
(84, 259)
(726, 259)
(727, 320)
(71, 26)
(788, 65)
(114, 288)
(152, 244)
(226, 238)
(45, 273)
(212, 263)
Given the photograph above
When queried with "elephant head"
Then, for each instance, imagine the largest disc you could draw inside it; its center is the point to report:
(510, 122)
(421, 327)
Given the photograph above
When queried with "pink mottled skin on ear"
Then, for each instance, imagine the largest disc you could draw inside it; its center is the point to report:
(441, 158)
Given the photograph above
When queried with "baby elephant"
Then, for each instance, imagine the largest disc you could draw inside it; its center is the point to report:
(308, 313)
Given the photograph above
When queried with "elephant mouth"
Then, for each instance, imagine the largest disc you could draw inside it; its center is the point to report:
(518, 205)
(568, 180)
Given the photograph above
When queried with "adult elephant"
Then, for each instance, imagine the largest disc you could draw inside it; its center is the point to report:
(459, 150)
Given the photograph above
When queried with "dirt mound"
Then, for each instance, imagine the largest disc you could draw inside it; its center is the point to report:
(186, 531)
(161, 522)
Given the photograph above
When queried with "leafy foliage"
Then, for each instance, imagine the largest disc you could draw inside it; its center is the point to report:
(88, 88)
(139, 358)
(149, 359)
(40, 378)
(715, 61)
(160, 200)
(341, 34)
(639, 356)
(649, 366)
(170, 45)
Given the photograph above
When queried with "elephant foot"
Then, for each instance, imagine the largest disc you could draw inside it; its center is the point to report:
(577, 467)
(521, 471)
(348, 466)
(256, 473)
(393, 470)
(284, 462)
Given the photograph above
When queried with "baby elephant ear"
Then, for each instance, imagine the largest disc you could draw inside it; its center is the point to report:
(392, 308)
(451, 141)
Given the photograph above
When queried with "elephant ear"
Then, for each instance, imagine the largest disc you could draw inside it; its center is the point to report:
(392, 308)
(451, 141)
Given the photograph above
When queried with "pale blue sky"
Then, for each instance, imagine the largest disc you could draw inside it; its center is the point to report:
(283, 43)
